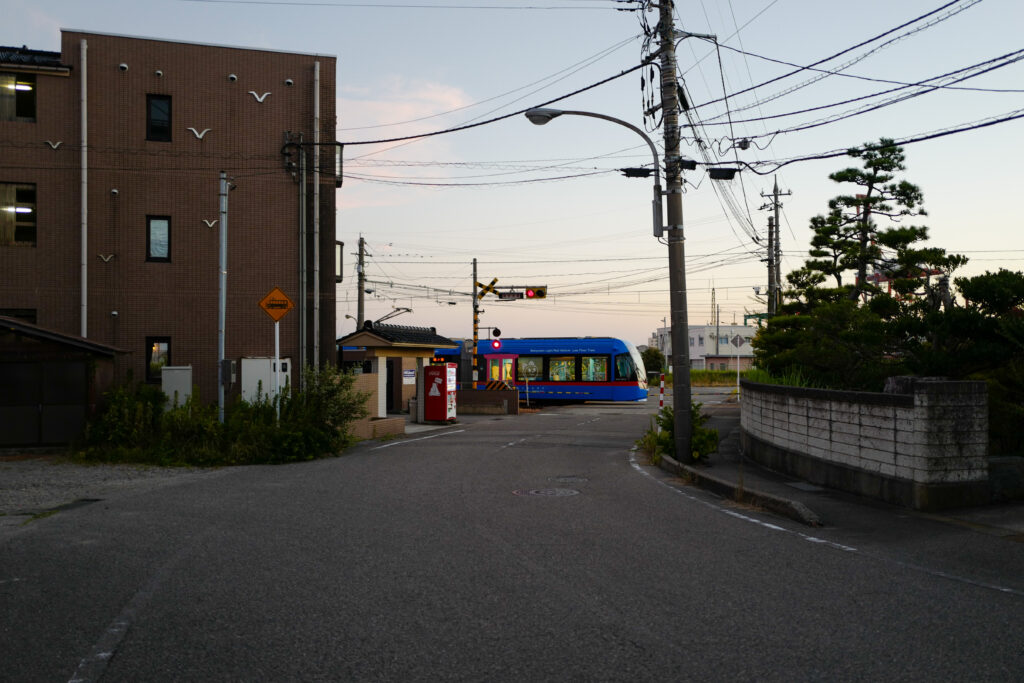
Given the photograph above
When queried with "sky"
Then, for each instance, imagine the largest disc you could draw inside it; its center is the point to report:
(547, 205)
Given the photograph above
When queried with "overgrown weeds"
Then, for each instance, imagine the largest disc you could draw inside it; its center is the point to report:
(659, 439)
(315, 422)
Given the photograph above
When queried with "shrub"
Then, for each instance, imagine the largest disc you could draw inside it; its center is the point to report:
(703, 441)
(314, 422)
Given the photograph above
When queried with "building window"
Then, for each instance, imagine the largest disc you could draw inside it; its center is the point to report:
(700, 340)
(158, 238)
(158, 118)
(691, 341)
(158, 355)
(18, 97)
(17, 215)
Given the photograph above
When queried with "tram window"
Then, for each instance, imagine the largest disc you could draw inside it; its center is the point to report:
(531, 368)
(624, 368)
(594, 368)
(562, 369)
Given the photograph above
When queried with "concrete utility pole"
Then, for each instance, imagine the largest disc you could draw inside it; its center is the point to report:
(361, 279)
(774, 249)
(771, 265)
(681, 401)
(476, 327)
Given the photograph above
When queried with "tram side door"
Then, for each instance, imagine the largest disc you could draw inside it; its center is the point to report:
(501, 368)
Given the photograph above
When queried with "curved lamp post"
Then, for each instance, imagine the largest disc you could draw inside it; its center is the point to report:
(681, 398)
(539, 116)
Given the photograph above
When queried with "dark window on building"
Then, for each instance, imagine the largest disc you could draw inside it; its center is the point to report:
(158, 118)
(17, 215)
(158, 354)
(158, 238)
(27, 315)
(17, 97)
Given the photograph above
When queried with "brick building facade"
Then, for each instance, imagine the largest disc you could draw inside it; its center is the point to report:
(119, 142)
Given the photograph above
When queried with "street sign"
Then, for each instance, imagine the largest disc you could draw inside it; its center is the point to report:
(737, 341)
(276, 304)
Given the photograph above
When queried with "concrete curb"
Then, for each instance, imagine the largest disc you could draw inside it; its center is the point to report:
(792, 509)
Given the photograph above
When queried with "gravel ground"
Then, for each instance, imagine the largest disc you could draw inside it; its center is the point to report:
(31, 485)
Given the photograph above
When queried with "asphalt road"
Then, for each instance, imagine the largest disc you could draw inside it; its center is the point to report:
(531, 548)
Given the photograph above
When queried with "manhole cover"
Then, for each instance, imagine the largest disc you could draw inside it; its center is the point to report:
(570, 479)
(550, 493)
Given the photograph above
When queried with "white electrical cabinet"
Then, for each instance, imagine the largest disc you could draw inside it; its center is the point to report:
(258, 377)
(176, 382)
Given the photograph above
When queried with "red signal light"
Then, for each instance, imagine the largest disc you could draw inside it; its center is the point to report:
(495, 343)
(530, 294)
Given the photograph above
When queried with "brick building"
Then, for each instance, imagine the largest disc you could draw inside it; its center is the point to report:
(110, 206)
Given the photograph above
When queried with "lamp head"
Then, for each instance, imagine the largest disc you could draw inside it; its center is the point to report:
(540, 115)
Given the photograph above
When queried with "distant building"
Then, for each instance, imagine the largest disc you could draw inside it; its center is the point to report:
(110, 207)
(711, 346)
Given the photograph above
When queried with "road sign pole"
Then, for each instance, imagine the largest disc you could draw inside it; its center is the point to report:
(277, 366)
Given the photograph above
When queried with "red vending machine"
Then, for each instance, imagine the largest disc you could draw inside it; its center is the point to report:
(439, 385)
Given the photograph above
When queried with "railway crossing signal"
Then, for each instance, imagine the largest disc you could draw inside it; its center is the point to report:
(537, 292)
(484, 289)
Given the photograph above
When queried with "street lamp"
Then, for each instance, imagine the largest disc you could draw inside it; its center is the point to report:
(677, 283)
(539, 116)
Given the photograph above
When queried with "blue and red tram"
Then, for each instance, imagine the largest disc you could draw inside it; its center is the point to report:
(562, 368)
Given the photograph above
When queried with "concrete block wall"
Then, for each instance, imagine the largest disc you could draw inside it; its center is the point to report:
(927, 448)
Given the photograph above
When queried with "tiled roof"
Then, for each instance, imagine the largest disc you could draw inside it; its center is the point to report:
(403, 334)
(22, 56)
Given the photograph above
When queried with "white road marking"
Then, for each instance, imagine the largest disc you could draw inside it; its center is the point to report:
(814, 539)
(422, 438)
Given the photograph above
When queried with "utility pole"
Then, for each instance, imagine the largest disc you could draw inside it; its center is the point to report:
(476, 326)
(681, 401)
(771, 265)
(774, 249)
(361, 279)
(222, 293)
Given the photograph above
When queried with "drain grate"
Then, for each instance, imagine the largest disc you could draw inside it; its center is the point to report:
(547, 493)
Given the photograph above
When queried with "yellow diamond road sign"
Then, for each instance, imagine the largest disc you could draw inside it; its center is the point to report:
(276, 304)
